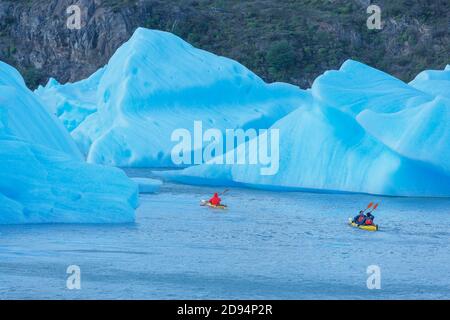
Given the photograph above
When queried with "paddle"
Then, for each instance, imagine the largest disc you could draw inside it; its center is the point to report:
(374, 208)
(368, 207)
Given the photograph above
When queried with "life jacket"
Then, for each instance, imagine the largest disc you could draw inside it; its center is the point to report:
(215, 201)
(369, 222)
(361, 218)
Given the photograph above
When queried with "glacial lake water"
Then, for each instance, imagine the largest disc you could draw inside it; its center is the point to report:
(268, 245)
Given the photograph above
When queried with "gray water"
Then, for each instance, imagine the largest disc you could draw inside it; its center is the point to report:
(269, 245)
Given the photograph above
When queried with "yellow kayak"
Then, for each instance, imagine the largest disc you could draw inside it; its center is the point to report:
(205, 203)
(367, 228)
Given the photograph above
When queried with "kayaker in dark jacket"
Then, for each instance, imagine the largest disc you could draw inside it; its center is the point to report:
(360, 219)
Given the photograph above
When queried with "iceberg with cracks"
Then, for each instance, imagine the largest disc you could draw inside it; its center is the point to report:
(154, 84)
(43, 177)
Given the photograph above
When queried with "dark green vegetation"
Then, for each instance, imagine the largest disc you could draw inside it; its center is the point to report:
(297, 40)
(281, 40)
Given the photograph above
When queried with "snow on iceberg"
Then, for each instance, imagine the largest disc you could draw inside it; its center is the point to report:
(325, 149)
(157, 83)
(43, 178)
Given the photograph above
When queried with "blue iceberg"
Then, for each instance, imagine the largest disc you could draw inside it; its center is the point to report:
(412, 120)
(154, 84)
(147, 185)
(357, 129)
(326, 150)
(43, 176)
(364, 131)
(435, 82)
(72, 103)
(356, 87)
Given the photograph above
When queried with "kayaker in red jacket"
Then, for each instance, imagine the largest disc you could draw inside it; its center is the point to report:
(360, 219)
(369, 219)
(215, 201)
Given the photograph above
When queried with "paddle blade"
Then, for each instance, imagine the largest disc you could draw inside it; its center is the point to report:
(376, 207)
(370, 205)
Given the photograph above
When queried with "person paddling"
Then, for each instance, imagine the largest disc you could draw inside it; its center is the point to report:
(364, 218)
(369, 221)
(215, 200)
(360, 219)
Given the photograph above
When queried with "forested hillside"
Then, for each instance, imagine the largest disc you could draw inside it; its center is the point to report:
(290, 40)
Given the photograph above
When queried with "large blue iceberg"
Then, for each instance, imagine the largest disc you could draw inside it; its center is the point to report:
(324, 149)
(43, 176)
(364, 131)
(414, 123)
(154, 84)
(357, 129)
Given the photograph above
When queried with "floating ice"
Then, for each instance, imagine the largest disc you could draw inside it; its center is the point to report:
(157, 83)
(357, 130)
(43, 178)
(364, 132)
(324, 149)
(434, 82)
(148, 185)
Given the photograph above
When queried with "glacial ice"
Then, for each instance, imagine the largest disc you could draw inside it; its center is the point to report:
(147, 185)
(43, 176)
(356, 87)
(364, 132)
(325, 149)
(434, 82)
(357, 129)
(413, 120)
(154, 84)
(72, 103)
